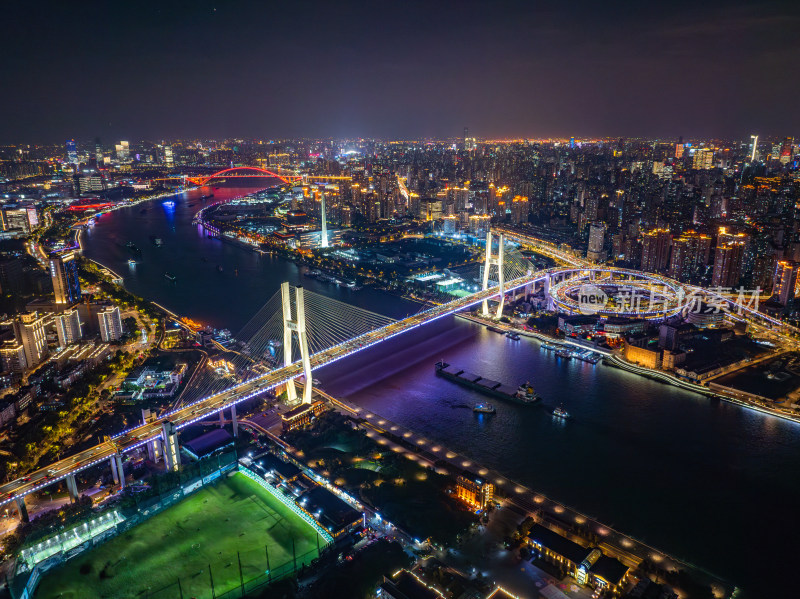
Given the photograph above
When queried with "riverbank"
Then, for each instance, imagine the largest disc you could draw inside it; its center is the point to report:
(615, 361)
(520, 498)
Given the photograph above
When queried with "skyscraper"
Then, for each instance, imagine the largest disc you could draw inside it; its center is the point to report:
(690, 254)
(728, 258)
(784, 282)
(72, 152)
(597, 235)
(64, 273)
(753, 147)
(655, 250)
(29, 331)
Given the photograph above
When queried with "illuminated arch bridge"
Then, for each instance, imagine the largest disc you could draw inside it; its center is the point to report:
(243, 171)
(236, 172)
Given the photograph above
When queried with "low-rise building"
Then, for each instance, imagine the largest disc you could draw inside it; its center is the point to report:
(475, 493)
(301, 415)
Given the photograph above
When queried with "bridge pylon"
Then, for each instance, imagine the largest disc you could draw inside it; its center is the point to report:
(497, 261)
(296, 325)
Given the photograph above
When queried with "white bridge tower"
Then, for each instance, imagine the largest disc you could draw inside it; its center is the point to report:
(297, 325)
(487, 266)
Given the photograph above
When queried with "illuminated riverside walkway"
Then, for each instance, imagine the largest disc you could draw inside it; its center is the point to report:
(137, 437)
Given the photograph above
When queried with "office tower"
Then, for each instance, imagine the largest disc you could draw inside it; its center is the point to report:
(690, 254)
(64, 273)
(449, 225)
(703, 159)
(169, 160)
(753, 147)
(466, 137)
(785, 151)
(98, 152)
(110, 323)
(68, 327)
(72, 152)
(29, 331)
(597, 235)
(679, 150)
(572, 142)
(784, 282)
(655, 250)
(728, 258)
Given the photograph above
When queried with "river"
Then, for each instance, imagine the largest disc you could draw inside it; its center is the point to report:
(703, 480)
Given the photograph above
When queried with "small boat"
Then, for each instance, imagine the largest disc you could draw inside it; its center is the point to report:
(156, 241)
(131, 262)
(495, 329)
(170, 276)
(563, 353)
(560, 412)
(168, 204)
(219, 267)
(526, 393)
(513, 336)
(483, 408)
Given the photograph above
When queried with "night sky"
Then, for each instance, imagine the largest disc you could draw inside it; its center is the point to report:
(401, 70)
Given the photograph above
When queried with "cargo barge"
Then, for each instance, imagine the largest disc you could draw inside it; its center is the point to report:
(523, 394)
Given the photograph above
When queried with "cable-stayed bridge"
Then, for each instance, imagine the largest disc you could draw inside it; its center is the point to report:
(321, 331)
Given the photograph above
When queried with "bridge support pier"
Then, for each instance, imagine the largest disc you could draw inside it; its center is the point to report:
(72, 488)
(222, 418)
(114, 474)
(117, 470)
(497, 261)
(297, 325)
(153, 447)
(172, 450)
(234, 422)
(22, 509)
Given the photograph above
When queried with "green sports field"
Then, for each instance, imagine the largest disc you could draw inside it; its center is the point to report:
(207, 528)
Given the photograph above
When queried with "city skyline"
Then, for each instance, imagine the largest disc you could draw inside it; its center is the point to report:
(416, 71)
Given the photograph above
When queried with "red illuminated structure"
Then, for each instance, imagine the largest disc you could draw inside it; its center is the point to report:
(255, 172)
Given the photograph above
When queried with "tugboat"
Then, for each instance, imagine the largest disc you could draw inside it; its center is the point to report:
(513, 336)
(526, 393)
(560, 412)
(483, 408)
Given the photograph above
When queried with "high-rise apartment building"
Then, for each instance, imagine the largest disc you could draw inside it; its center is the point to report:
(785, 281)
(64, 273)
(110, 323)
(29, 330)
(597, 237)
(728, 258)
(690, 255)
(655, 250)
(68, 327)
